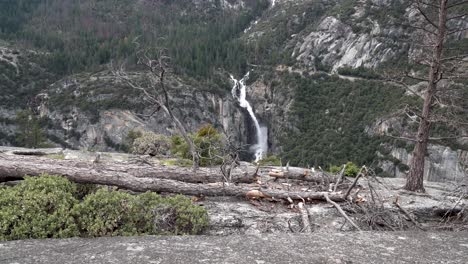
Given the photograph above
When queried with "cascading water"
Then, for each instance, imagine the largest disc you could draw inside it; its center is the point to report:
(239, 92)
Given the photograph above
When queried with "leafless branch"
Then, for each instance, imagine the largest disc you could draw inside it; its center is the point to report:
(457, 4)
(425, 15)
(340, 210)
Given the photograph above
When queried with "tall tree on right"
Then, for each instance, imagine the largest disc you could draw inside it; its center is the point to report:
(441, 21)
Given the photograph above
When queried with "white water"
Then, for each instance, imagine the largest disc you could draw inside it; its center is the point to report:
(239, 92)
(273, 2)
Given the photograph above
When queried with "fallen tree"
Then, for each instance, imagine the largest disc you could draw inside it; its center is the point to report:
(296, 173)
(241, 174)
(120, 175)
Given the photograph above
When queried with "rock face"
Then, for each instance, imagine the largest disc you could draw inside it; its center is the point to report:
(72, 105)
(334, 43)
(442, 164)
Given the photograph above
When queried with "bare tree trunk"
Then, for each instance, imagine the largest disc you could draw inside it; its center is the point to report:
(414, 180)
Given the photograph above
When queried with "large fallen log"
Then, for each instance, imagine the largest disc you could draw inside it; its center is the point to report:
(241, 174)
(296, 173)
(16, 167)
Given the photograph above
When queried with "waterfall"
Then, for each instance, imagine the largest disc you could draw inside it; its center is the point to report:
(260, 148)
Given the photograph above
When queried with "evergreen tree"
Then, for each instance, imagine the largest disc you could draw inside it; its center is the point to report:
(30, 134)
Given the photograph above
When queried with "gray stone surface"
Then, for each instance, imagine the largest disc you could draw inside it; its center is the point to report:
(350, 247)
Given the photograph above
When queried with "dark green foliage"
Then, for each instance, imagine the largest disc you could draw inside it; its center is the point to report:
(49, 207)
(351, 170)
(84, 189)
(30, 134)
(112, 213)
(105, 213)
(132, 136)
(270, 160)
(82, 34)
(208, 142)
(332, 115)
(13, 13)
(18, 85)
(38, 208)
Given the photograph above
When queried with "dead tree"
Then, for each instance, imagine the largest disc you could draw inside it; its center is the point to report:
(155, 91)
(438, 22)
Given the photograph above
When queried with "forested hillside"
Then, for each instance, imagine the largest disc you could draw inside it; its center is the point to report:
(319, 73)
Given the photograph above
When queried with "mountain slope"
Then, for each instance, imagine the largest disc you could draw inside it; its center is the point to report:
(315, 70)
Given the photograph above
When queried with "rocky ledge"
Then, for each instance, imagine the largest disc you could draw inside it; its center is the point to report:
(350, 247)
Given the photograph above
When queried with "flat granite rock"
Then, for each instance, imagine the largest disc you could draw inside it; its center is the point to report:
(347, 247)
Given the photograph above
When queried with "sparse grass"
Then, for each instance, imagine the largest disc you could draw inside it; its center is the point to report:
(56, 156)
(177, 162)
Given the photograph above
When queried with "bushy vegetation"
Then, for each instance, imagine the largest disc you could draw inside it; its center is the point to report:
(113, 213)
(53, 207)
(270, 160)
(207, 140)
(351, 170)
(38, 208)
(152, 144)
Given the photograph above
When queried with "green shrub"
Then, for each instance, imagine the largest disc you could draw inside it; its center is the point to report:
(112, 213)
(45, 207)
(351, 170)
(105, 213)
(180, 148)
(335, 169)
(207, 140)
(151, 144)
(84, 189)
(190, 219)
(270, 160)
(181, 162)
(38, 208)
(131, 137)
(209, 144)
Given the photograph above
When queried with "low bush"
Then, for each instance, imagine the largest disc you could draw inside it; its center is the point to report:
(351, 170)
(105, 213)
(50, 207)
(152, 144)
(207, 140)
(270, 160)
(112, 213)
(38, 208)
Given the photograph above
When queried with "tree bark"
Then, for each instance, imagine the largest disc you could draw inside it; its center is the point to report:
(414, 180)
(240, 174)
(16, 167)
(296, 173)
